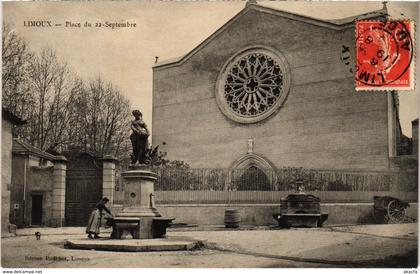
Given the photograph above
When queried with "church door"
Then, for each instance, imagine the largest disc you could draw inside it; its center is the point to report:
(253, 179)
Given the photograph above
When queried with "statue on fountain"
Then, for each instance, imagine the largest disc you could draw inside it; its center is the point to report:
(139, 140)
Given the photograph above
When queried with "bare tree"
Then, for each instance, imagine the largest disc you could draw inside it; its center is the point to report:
(54, 88)
(16, 58)
(67, 88)
(103, 116)
(62, 111)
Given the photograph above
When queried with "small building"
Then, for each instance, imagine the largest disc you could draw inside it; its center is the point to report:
(9, 120)
(38, 186)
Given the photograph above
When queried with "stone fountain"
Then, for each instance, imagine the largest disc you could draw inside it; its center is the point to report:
(139, 219)
(139, 216)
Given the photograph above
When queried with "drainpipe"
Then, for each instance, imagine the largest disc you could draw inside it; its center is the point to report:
(24, 191)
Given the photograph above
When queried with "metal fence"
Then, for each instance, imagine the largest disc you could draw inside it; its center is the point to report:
(254, 179)
(253, 185)
(270, 197)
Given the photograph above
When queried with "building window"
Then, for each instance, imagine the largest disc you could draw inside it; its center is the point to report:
(117, 186)
(253, 84)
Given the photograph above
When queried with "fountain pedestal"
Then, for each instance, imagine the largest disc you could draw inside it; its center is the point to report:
(139, 216)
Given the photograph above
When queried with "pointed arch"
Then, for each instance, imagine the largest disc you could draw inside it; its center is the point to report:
(248, 161)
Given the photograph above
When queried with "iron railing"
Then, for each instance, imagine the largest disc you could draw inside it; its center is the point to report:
(256, 185)
(283, 179)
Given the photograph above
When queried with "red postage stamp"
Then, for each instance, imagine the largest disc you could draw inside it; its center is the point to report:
(384, 55)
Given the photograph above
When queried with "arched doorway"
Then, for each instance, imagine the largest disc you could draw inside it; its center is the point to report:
(252, 172)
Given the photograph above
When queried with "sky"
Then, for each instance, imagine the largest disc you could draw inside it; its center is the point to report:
(125, 56)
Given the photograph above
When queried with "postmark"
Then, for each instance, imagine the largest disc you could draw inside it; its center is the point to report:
(384, 55)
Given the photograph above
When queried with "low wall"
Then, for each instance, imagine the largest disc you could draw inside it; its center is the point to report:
(261, 214)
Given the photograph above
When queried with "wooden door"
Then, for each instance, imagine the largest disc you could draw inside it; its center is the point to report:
(36, 215)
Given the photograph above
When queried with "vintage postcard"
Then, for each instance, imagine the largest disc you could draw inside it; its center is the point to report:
(209, 134)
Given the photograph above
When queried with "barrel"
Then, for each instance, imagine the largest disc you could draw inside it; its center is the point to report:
(232, 218)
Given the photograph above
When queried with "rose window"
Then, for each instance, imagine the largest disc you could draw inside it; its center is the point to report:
(252, 85)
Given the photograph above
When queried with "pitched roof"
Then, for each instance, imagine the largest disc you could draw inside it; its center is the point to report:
(20, 147)
(13, 118)
(336, 24)
(364, 16)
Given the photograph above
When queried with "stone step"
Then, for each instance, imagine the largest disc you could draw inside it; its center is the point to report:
(131, 245)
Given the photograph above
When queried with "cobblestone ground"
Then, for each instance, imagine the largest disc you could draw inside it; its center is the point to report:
(356, 246)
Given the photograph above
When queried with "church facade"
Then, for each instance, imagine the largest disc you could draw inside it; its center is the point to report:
(271, 88)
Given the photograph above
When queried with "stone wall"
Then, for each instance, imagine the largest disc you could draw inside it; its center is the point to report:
(262, 215)
(6, 173)
(323, 124)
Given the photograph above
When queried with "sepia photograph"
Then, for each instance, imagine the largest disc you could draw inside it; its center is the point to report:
(248, 134)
